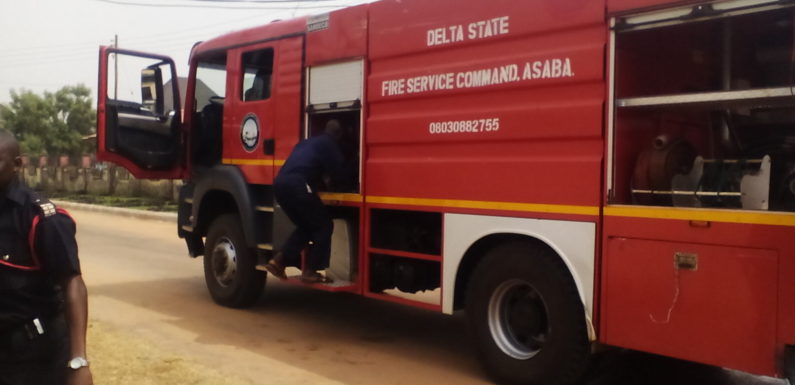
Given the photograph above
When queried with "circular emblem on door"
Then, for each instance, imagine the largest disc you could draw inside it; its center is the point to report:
(249, 132)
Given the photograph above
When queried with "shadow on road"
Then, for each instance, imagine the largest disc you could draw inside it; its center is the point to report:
(631, 367)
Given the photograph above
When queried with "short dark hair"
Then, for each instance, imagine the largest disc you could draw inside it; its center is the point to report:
(9, 142)
(5, 135)
(334, 129)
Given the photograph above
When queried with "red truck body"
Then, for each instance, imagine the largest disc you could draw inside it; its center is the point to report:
(642, 146)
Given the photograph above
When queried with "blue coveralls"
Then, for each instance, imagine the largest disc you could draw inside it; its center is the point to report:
(296, 187)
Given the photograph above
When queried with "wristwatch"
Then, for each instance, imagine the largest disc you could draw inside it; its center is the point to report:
(77, 363)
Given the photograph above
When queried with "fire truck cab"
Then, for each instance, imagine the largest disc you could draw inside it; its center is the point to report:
(570, 173)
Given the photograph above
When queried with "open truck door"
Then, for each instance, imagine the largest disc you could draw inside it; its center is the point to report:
(139, 115)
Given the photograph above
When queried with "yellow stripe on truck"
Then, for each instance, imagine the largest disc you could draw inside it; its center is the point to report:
(486, 205)
(700, 214)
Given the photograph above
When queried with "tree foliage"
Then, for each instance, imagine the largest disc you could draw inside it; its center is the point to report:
(52, 123)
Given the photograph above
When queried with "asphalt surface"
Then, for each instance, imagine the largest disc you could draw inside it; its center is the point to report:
(141, 280)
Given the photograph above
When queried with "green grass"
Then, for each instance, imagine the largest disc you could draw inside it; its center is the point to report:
(140, 203)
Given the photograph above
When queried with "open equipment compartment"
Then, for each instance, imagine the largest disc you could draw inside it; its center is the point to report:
(704, 112)
(335, 93)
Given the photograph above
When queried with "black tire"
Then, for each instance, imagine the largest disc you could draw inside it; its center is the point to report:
(527, 317)
(230, 266)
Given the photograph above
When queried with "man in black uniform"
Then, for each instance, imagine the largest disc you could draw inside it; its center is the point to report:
(43, 301)
(296, 189)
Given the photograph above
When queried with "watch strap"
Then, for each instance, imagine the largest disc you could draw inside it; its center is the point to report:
(77, 363)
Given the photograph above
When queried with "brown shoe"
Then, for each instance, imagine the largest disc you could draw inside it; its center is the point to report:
(275, 269)
(315, 277)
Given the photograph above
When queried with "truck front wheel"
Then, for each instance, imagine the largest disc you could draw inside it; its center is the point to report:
(527, 317)
(230, 266)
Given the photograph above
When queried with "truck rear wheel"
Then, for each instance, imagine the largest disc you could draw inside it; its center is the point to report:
(230, 266)
(527, 317)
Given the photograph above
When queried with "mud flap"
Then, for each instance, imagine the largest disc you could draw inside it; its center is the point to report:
(789, 363)
(195, 245)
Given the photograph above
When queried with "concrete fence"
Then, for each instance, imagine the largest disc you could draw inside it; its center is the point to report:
(95, 178)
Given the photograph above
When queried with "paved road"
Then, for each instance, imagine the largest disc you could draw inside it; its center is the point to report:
(142, 281)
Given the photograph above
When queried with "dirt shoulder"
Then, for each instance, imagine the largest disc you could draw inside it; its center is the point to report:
(138, 203)
(119, 358)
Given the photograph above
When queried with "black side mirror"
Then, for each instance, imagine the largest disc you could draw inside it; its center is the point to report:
(152, 89)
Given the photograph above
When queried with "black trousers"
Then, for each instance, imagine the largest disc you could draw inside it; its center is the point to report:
(312, 221)
(29, 358)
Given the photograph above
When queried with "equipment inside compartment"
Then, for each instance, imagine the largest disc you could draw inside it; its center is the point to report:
(704, 112)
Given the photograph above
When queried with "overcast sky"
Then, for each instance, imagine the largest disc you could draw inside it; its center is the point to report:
(47, 44)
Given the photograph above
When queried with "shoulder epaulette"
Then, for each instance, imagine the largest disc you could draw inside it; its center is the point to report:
(47, 207)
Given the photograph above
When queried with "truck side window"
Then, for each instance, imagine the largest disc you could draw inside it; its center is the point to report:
(257, 72)
(210, 82)
(209, 110)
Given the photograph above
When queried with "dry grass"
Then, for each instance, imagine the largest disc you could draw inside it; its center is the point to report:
(120, 359)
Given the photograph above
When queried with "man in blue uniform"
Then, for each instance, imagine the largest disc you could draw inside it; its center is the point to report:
(43, 301)
(295, 188)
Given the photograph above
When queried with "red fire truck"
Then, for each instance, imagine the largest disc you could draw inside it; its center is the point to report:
(569, 173)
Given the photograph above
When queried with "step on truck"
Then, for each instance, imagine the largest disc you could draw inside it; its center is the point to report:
(572, 174)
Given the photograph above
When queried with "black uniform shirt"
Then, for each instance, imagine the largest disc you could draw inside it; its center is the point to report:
(29, 282)
(313, 157)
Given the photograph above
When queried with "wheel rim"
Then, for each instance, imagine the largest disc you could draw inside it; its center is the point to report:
(224, 262)
(518, 319)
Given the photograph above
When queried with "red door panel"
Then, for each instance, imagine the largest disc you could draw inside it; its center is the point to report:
(262, 111)
(139, 114)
